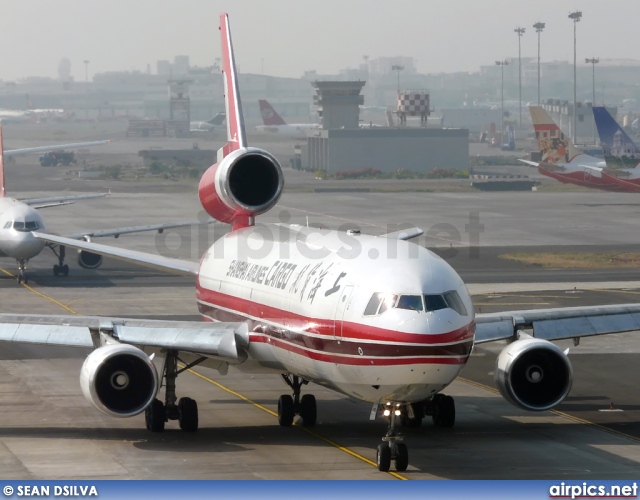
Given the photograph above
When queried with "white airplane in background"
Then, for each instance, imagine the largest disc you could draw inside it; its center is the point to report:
(20, 218)
(217, 122)
(560, 159)
(379, 319)
(275, 124)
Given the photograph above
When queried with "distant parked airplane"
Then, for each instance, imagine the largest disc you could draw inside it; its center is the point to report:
(620, 152)
(560, 159)
(275, 124)
(217, 122)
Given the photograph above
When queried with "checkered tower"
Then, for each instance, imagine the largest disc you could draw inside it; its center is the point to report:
(413, 103)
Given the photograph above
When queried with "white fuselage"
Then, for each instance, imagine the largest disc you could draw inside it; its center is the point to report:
(17, 221)
(295, 130)
(307, 296)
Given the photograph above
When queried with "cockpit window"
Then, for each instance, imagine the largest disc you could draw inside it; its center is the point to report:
(380, 302)
(455, 302)
(434, 302)
(25, 227)
(411, 302)
(7, 225)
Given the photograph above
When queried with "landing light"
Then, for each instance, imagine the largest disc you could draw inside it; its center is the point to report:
(387, 413)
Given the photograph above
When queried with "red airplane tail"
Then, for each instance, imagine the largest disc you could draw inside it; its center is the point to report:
(270, 116)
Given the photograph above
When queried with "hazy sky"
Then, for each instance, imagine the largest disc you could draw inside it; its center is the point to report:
(287, 37)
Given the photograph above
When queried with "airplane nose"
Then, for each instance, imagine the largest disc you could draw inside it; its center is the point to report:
(24, 246)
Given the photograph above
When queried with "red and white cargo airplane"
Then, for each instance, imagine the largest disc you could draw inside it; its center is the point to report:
(376, 318)
(561, 160)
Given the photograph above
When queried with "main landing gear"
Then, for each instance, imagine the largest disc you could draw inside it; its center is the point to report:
(22, 271)
(289, 407)
(442, 410)
(59, 269)
(186, 409)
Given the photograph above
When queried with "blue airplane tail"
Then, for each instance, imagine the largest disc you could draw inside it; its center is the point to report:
(619, 149)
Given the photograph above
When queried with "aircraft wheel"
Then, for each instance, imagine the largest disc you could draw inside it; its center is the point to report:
(444, 411)
(402, 457)
(188, 414)
(56, 269)
(383, 457)
(308, 410)
(154, 416)
(285, 410)
(65, 270)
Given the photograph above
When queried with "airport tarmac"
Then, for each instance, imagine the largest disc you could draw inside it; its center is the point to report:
(48, 430)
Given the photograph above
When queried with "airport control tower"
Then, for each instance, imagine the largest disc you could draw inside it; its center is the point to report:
(338, 103)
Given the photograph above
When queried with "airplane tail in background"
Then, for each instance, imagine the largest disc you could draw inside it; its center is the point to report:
(218, 119)
(619, 149)
(270, 116)
(554, 146)
(2, 191)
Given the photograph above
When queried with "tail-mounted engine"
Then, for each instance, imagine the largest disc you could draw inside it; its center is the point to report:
(120, 380)
(88, 260)
(246, 183)
(533, 374)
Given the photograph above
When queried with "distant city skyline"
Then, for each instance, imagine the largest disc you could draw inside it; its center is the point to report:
(287, 37)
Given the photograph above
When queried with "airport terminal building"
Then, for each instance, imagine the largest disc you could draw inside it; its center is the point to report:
(388, 149)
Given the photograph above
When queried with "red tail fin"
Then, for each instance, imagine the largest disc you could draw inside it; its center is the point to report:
(270, 116)
(236, 137)
(2, 193)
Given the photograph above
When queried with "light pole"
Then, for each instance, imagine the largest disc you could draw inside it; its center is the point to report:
(86, 89)
(593, 61)
(502, 64)
(575, 17)
(539, 27)
(398, 68)
(520, 32)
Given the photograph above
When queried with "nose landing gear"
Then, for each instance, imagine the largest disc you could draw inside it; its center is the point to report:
(392, 447)
(22, 271)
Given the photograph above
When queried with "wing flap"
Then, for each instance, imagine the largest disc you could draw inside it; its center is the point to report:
(560, 323)
(226, 341)
(71, 336)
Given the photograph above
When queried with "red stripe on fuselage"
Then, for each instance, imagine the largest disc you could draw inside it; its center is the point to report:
(321, 326)
(359, 360)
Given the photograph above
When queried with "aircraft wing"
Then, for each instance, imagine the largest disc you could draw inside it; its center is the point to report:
(559, 323)
(183, 267)
(529, 162)
(591, 167)
(136, 229)
(44, 149)
(58, 201)
(226, 341)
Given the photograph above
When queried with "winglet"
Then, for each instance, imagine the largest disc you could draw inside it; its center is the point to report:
(236, 137)
(2, 192)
